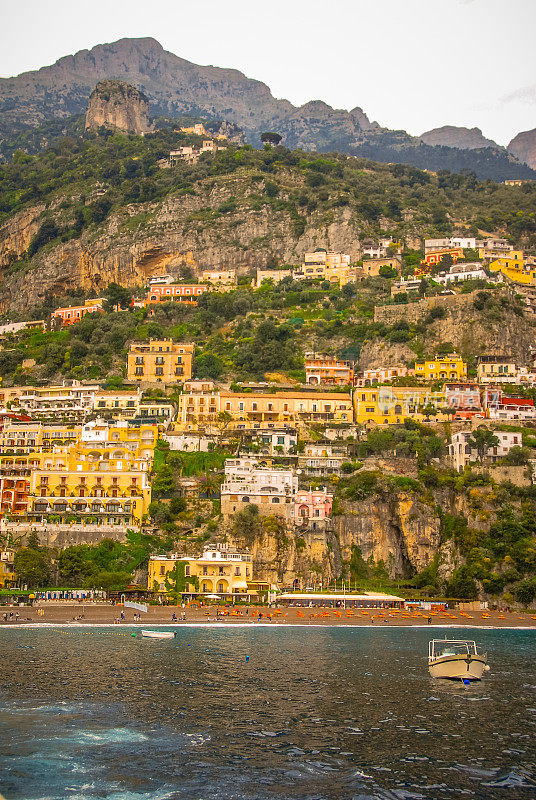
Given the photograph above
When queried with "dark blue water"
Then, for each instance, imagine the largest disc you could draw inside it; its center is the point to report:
(323, 713)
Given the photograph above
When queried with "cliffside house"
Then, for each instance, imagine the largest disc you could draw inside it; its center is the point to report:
(160, 361)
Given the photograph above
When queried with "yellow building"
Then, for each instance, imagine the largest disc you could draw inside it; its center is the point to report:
(390, 405)
(496, 369)
(202, 408)
(451, 367)
(103, 478)
(226, 277)
(7, 568)
(221, 570)
(512, 266)
(332, 267)
(160, 361)
(117, 404)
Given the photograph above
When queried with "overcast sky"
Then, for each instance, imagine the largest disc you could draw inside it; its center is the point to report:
(411, 64)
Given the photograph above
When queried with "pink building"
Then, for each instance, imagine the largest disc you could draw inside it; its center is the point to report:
(312, 508)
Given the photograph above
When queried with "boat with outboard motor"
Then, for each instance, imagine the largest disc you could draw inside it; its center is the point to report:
(456, 659)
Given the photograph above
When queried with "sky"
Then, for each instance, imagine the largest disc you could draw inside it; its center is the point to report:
(410, 64)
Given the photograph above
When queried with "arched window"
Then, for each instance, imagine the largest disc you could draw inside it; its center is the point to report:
(275, 499)
(245, 499)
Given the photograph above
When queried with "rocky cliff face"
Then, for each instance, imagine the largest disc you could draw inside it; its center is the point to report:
(114, 104)
(453, 136)
(523, 147)
(400, 532)
(166, 237)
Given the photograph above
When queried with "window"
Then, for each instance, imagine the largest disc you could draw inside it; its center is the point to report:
(159, 371)
(139, 371)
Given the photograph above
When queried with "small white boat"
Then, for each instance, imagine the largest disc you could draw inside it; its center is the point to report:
(456, 659)
(159, 634)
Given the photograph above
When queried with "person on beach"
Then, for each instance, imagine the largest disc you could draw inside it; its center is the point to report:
(174, 617)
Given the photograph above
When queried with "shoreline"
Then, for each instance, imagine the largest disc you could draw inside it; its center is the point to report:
(273, 625)
(88, 616)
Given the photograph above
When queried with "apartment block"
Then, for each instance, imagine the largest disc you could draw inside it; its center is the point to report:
(496, 369)
(221, 569)
(173, 293)
(441, 368)
(271, 489)
(332, 267)
(71, 314)
(389, 405)
(257, 409)
(160, 361)
(312, 509)
(328, 370)
(70, 401)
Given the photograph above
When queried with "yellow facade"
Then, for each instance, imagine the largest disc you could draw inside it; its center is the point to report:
(332, 267)
(199, 409)
(160, 361)
(451, 367)
(93, 473)
(390, 405)
(116, 404)
(220, 570)
(7, 568)
(512, 267)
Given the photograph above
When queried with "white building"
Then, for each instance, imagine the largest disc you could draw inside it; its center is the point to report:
(461, 272)
(461, 453)
(249, 480)
(322, 459)
(72, 400)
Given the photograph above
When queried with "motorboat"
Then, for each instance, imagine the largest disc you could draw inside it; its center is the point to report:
(159, 634)
(456, 659)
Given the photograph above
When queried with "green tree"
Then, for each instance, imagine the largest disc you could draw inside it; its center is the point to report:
(32, 567)
(482, 440)
(462, 585)
(117, 297)
(270, 137)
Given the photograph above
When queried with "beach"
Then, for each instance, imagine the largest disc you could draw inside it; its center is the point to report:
(88, 613)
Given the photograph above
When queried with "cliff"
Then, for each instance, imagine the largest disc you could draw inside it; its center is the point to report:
(114, 104)
(523, 147)
(454, 136)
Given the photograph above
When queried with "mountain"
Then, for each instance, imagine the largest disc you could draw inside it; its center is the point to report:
(176, 87)
(455, 136)
(523, 147)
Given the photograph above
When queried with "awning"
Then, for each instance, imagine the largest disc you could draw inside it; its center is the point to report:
(240, 585)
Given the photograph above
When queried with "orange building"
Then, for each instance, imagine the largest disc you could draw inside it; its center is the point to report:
(327, 370)
(71, 314)
(434, 256)
(174, 292)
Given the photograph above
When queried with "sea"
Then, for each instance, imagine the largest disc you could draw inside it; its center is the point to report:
(262, 713)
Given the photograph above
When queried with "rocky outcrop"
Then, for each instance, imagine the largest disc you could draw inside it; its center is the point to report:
(454, 136)
(523, 147)
(399, 531)
(114, 104)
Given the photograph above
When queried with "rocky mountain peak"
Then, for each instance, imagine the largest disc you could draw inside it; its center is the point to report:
(457, 136)
(115, 104)
(523, 147)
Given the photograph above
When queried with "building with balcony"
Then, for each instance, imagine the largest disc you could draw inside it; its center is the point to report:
(173, 293)
(160, 361)
(496, 369)
(71, 401)
(451, 367)
(312, 509)
(328, 370)
(247, 480)
(322, 459)
(261, 410)
(463, 397)
(370, 377)
(103, 478)
(461, 452)
(221, 569)
(71, 314)
(332, 267)
(500, 406)
(390, 405)
(115, 404)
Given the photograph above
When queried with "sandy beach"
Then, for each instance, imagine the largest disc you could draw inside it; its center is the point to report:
(102, 614)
